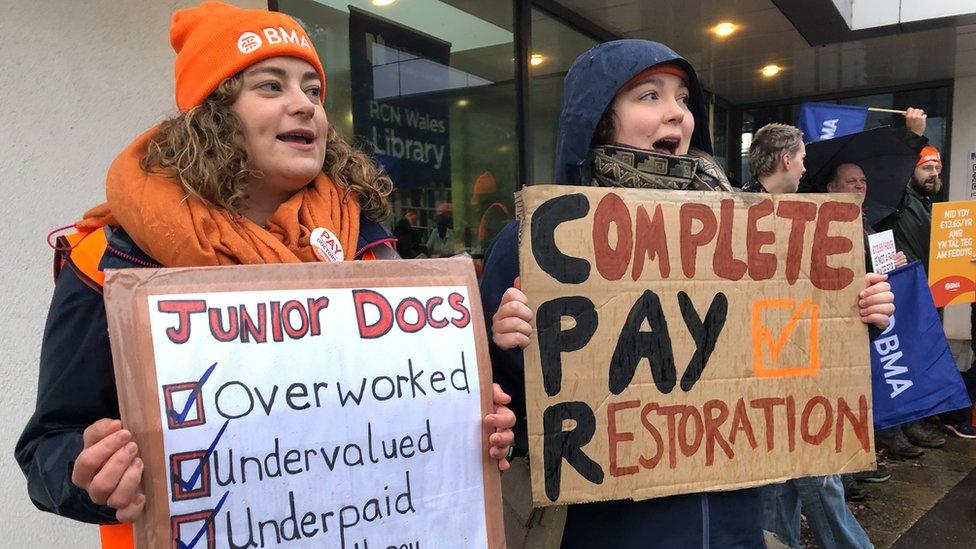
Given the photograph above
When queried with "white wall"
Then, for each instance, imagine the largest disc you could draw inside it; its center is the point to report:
(873, 13)
(920, 10)
(80, 80)
(864, 14)
(957, 323)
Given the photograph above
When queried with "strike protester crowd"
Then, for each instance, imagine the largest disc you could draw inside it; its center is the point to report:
(187, 193)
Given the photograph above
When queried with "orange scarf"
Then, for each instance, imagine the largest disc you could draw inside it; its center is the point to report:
(182, 231)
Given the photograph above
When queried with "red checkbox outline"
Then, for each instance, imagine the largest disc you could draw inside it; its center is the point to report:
(168, 391)
(206, 516)
(176, 480)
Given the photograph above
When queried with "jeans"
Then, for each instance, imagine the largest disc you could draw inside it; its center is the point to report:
(822, 499)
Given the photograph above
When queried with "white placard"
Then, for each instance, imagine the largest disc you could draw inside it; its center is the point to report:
(286, 423)
(883, 251)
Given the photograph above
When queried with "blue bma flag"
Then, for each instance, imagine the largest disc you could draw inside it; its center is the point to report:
(819, 121)
(913, 374)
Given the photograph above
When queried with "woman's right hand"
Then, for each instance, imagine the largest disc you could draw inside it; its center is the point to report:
(110, 470)
(510, 326)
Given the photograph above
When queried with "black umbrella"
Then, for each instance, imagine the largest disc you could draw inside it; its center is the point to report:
(883, 155)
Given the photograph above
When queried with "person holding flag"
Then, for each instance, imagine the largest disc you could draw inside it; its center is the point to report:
(820, 121)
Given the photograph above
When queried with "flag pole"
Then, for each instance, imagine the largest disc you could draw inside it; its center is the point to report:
(879, 109)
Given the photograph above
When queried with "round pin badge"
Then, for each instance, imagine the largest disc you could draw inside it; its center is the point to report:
(326, 245)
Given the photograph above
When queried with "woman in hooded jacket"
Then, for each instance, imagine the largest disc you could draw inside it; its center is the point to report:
(625, 102)
(249, 172)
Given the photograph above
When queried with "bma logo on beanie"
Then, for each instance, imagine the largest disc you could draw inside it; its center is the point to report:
(282, 35)
(249, 41)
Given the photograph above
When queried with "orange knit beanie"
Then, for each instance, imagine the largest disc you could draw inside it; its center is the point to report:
(928, 154)
(215, 41)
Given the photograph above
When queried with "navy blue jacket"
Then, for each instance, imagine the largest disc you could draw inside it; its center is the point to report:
(76, 383)
(718, 519)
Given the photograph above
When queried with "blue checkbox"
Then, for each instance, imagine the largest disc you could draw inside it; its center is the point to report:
(178, 411)
(206, 529)
(187, 485)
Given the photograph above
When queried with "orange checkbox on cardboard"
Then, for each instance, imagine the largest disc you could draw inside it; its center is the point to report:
(767, 342)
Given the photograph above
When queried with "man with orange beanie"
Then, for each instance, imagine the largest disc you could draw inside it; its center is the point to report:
(912, 224)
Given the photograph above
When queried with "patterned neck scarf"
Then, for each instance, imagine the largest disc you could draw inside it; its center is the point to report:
(620, 166)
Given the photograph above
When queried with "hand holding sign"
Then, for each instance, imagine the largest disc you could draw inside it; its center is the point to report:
(109, 469)
(501, 422)
(510, 326)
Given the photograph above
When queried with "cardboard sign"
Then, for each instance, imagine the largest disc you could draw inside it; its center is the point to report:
(691, 341)
(883, 251)
(312, 405)
(952, 274)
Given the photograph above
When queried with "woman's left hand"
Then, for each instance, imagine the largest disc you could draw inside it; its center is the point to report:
(876, 301)
(501, 422)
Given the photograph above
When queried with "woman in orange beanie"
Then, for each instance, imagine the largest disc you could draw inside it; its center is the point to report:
(247, 173)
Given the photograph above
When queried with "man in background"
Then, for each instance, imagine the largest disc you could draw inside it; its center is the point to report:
(912, 224)
(776, 158)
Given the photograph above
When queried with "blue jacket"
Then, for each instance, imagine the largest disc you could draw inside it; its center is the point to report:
(718, 519)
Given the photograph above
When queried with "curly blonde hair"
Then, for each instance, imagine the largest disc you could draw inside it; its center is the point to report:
(203, 149)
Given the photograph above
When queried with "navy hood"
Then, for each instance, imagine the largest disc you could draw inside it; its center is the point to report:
(591, 84)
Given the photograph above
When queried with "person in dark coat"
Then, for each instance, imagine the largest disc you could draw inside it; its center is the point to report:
(643, 100)
(912, 224)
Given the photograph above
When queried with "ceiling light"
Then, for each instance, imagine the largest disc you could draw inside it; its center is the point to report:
(770, 71)
(536, 59)
(724, 29)
(462, 103)
(383, 2)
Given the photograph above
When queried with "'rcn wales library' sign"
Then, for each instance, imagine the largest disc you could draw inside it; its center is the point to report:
(314, 405)
(690, 341)
(398, 79)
